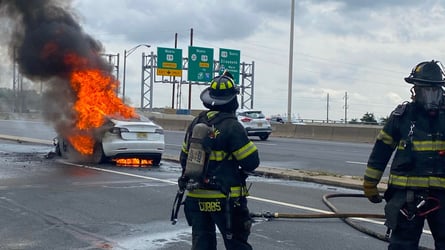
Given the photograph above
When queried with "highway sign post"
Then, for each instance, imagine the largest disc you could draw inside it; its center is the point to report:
(200, 64)
(169, 62)
(229, 60)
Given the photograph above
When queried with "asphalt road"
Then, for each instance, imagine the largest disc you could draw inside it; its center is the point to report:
(340, 158)
(54, 204)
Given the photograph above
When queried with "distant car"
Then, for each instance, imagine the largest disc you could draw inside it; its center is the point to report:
(294, 121)
(136, 138)
(276, 120)
(255, 123)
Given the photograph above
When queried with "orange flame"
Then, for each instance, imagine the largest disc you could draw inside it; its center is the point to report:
(96, 99)
(133, 162)
(82, 143)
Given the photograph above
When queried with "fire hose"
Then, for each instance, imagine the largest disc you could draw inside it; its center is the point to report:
(346, 217)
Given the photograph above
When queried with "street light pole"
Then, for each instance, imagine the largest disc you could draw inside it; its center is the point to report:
(126, 54)
(291, 56)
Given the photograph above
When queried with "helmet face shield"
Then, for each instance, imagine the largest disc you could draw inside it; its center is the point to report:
(430, 97)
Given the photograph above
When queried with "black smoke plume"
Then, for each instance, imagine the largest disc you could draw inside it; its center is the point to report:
(43, 33)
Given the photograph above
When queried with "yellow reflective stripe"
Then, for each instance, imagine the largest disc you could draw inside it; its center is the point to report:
(214, 194)
(428, 145)
(416, 181)
(222, 85)
(229, 84)
(373, 173)
(184, 148)
(386, 138)
(213, 85)
(425, 146)
(245, 151)
(211, 114)
(217, 155)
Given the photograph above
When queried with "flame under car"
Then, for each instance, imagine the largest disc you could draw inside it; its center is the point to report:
(122, 139)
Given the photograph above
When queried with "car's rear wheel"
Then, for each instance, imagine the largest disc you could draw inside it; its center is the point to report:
(156, 161)
(264, 137)
(98, 154)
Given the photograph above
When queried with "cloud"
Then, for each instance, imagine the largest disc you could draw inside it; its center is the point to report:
(363, 48)
(157, 21)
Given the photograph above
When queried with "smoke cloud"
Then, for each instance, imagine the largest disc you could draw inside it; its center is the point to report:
(42, 33)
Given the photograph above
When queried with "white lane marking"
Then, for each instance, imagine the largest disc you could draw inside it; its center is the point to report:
(308, 208)
(250, 197)
(356, 162)
(264, 143)
(121, 173)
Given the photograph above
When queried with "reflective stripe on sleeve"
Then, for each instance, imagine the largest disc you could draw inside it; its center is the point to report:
(373, 173)
(245, 151)
(386, 138)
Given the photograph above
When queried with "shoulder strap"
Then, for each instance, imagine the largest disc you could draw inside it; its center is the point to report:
(405, 110)
(400, 109)
(219, 117)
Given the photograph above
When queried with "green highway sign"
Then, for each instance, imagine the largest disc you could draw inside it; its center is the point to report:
(169, 62)
(229, 60)
(200, 64)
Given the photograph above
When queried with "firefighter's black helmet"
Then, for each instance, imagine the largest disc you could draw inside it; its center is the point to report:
(221, 91)
(426, 73)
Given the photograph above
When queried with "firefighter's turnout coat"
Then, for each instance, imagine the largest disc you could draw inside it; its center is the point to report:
(232, 155)
(419, 144)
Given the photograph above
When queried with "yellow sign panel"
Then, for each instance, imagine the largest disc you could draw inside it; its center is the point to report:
(170, 65)
(169, 72)
(204, 64)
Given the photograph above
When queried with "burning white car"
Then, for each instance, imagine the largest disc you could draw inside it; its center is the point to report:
(136, 141)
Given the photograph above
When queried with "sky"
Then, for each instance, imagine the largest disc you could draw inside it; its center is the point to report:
(346, 53)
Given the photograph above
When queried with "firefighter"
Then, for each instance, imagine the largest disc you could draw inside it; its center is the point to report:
(416, 186)
(215, 179)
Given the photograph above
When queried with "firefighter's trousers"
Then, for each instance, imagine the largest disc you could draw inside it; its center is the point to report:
(406, 231)
(204, 213)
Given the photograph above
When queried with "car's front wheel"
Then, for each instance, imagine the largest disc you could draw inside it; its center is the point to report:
(264, 137)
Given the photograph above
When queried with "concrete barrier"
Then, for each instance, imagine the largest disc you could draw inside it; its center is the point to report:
(347, 133)
(322, 131)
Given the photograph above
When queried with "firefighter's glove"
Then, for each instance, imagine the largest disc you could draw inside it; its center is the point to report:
(182, 182)
(371, 191)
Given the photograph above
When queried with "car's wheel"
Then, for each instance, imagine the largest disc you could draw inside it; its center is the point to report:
(98, 154)
(264, 137)
(156, 161)
(63, 148)
(57, 149)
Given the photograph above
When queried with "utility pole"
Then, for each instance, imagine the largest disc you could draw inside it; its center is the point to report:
(327, 108)
(173, 85)
(346, 107)
(190, 84)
